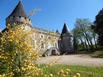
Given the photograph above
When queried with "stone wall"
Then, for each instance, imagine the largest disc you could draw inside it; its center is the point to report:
(44, 40)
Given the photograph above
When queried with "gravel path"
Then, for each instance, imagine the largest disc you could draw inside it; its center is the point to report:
(83, 59)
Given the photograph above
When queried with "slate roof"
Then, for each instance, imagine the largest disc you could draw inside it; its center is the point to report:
(18, 11)
(65, 29)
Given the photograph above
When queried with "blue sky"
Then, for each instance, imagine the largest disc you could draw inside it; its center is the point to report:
(54, 12)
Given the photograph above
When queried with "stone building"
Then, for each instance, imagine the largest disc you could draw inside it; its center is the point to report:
(46, 42)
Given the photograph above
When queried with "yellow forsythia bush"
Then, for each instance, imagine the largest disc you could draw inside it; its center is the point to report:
(17, 56)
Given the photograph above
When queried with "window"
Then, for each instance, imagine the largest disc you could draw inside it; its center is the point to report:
(42, 45)
(25, 18)
(49, 37)
(13, 16)
(41, 36)
(19, 16)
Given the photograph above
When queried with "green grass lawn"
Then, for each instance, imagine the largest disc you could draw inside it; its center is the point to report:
(83, 70)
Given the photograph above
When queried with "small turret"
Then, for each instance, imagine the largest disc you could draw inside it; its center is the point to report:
(57, 31)
(66, 42)
(18, 16)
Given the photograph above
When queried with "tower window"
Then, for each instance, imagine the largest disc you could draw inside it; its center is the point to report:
(13, 16)
(19, 16)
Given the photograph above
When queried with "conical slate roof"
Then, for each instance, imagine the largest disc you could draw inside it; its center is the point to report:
(65, 29)
(18, 11)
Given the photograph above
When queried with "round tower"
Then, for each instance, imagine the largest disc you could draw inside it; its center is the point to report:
(18, 16)
(66, 41)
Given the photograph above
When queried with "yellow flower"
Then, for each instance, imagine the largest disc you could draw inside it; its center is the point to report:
(68, 70)
(74, 76)
(77, 75)
(10, 40)
(0, 75)
(51, 75)
(66, 73)
(45, 75)
(61, 71)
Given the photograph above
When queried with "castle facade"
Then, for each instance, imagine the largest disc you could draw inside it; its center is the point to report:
(44, 41)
